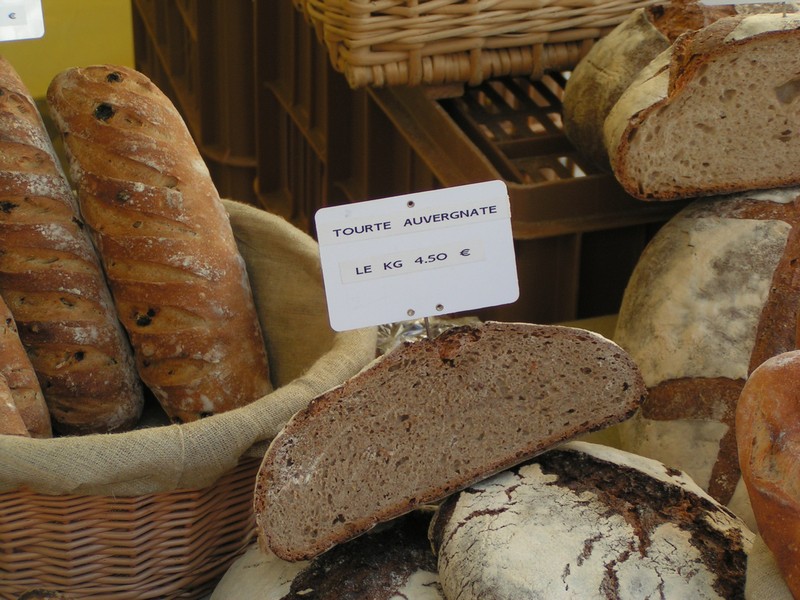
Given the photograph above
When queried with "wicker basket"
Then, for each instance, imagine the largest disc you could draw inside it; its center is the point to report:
(411, 42)
(162, 511)
(169, 545)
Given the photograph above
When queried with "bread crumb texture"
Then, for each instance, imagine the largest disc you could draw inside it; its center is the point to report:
(431, 418)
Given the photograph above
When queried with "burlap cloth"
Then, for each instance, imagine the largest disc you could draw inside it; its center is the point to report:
(306, 358)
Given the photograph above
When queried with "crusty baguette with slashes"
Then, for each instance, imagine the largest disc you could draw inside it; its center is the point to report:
(177, 278)
(51, 279)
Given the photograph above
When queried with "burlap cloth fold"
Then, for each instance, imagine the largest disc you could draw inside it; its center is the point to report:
(306, 358)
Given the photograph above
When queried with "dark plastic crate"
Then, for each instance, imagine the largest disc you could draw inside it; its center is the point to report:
(577, 234)
(201, 54)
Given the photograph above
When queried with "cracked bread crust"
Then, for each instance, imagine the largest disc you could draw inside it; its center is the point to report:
(430, 418)
(583, 519)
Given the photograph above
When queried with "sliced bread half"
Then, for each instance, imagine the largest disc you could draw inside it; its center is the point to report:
(430, 418)
(717, 112)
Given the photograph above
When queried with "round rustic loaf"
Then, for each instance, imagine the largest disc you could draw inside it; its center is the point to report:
(613, 62)
(589, 521)
(389, 563)
(768, 436)
(715, 293)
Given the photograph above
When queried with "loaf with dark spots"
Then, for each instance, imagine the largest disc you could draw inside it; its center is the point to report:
(179, 283)
(52, 281)
(589, 521)
(432, 417)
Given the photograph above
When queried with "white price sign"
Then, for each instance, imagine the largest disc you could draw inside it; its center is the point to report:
(417, 255)
(21, 20)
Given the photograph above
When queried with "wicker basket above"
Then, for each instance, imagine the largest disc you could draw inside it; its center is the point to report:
(413, 42)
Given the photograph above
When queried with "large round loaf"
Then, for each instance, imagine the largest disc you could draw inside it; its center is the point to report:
(589, 521)
(768, 436)
(179, 284)
(51, 279)
(715, 294)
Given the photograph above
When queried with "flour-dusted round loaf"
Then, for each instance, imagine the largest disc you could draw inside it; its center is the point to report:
(613, 62)
(52, 281)
(715, 294)
(429, 418)
(718, 112)
(768, 436)
(390, 563)
(18, 383)
(179, 283)
(11, 421)
(585, 521)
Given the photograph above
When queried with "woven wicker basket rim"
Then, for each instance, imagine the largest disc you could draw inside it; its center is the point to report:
(399, 42)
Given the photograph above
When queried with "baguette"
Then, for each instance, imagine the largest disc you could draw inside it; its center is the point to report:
(178, 281)
(52, 281)
(768, 440)
(716, 113)
(19, 377)
(430, 418)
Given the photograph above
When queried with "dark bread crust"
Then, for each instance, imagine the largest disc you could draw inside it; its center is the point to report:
(376, 566)
(52, 281)
(178, 281)
(430, 418)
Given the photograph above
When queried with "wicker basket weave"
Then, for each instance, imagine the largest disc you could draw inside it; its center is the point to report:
(162, 511)
(168, 545)
(411, 42)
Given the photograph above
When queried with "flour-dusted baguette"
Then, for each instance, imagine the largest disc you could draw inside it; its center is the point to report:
(430, 418)
(715, 113)
(589, 521)
(768, 437)
(613, 62)
(51, 279)
(714, 294)
(178, 281)
(18, 375)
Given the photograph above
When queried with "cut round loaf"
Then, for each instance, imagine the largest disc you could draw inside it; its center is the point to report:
(613, 62)
(179, 283)
(430, 418)
(768, 436)
(718, 112)
(714, 294)
(52, 281)
(589, 521)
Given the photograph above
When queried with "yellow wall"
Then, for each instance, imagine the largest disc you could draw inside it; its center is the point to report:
(76, 33)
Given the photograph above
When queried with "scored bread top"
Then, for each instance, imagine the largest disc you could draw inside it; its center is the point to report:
(430, 418)
(52, 281)
(178, 281)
